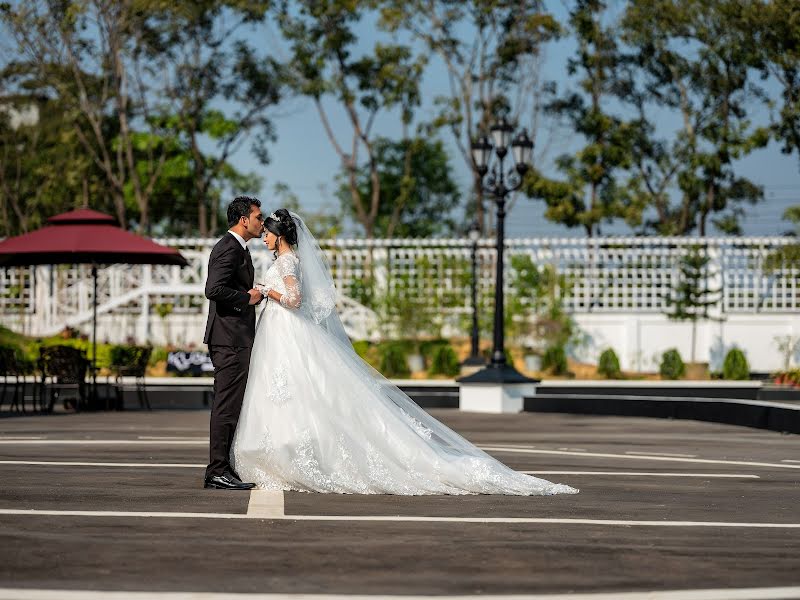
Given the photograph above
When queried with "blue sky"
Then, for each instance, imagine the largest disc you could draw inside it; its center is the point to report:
(303, 158)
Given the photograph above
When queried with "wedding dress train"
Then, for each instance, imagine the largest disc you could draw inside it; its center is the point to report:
(317, 418)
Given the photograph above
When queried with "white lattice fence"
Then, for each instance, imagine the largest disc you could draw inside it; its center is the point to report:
(630, 275)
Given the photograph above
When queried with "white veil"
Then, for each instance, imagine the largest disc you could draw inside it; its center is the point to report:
(319, 303)
(318, 292)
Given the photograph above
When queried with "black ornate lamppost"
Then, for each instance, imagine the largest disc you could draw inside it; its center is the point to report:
(498, 184)
(475, 359)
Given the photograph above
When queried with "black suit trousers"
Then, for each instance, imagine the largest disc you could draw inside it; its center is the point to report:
(231, 366)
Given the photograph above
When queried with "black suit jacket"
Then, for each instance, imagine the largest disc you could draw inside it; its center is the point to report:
(231, 319)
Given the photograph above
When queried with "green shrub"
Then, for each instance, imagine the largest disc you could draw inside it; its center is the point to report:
(24, 347)
(735, 365)
(429, 348)
(393, 360)
(159, 354)
(555, 360)
(369, 353)
(121, 355)
(103, 350)
(608, 366)
(672, 366)
(444, 362)
(361, 347)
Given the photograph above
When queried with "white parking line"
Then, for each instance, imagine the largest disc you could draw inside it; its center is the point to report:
(773, 593)
(645, 474)
(664, 454)
(784, 464)
(21, 437)
(649, 457)
(185, 442)
(513, 446)
(61, 463)
(172, 437)
(789, 460)
(389, 518)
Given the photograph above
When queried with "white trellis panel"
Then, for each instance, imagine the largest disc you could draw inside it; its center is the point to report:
(620, 277)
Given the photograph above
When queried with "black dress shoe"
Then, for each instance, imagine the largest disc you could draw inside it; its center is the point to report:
(226, 482)
(234, 477)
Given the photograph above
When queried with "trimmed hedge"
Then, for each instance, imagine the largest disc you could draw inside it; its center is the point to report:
(555, 360)
(393, 357)
(608, 366)
(444, 362)
(735, 365)
(672, 366)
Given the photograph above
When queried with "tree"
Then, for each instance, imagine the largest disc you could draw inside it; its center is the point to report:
(219, 89)
(774, 29)
(87, 54)
(491, 50)
(323, 223)
(695, 58)
(785, 257)
(125, 97)
(324, 65)
(692, 297)
(42, 168)
(418, 194)
(535, 313)
(589, 192)
(174, 199)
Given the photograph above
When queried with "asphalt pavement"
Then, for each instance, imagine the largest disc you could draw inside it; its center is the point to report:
(114, 502)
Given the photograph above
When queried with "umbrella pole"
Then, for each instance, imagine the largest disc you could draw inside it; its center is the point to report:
(94, 337)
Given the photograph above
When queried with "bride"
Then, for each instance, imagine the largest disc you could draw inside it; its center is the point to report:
(317, 418)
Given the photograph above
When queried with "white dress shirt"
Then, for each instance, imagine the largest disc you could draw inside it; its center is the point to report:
(238, 237)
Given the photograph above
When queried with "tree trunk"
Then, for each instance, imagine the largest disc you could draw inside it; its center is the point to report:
(199, 184)
(705, 211)
(212, 225)
(119, 206)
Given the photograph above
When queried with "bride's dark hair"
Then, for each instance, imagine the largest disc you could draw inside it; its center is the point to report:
(282, 225)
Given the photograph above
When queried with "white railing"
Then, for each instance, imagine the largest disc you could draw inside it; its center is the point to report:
(621, 275)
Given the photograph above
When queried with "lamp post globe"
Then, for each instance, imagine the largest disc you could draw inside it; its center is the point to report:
(501, 135)
(522, 149)
(481, 154)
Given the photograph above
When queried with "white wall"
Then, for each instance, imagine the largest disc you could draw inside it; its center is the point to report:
(639, 340)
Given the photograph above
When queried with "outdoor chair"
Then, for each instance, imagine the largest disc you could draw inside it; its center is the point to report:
(66, 369)
(136, 359)
(10, 367)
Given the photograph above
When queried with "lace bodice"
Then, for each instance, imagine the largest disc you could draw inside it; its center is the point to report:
(284, 276)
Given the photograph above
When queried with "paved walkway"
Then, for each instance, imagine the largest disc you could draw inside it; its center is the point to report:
(114, 502)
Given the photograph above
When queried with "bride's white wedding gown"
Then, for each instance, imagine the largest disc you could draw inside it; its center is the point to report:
(317, 418)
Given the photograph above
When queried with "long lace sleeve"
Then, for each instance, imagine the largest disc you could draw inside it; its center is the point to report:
(288, 269)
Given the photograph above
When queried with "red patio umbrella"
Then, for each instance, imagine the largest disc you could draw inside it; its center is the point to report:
(85, 236)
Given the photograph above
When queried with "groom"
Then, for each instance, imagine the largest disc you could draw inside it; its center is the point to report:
(229, 334)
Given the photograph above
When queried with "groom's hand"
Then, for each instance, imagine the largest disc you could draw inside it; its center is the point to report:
(255, 296)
